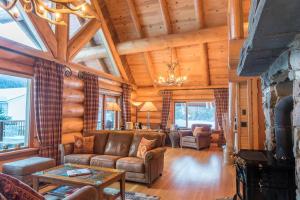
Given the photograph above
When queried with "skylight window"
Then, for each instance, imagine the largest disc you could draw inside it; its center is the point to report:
(19, 30)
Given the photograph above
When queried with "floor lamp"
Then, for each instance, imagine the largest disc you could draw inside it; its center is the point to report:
(136, 104)
(148, 107)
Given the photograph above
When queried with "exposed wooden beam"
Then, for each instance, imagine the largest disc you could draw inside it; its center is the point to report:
(236, 19)
(200, 22)
(89, 54)
(199, 11)
(206, 35)
(165, 15)
(85, 34)
(17, 48)
(45, 33)
(138, 28)
(109, 40)
(62, 37)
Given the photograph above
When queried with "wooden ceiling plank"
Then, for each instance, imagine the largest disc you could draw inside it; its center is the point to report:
(166, 16)
(138, 28)
(200, 22)
(110, 42)
(206, 35)
(85, 34)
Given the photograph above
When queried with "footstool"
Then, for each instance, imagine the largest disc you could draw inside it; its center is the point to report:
(22, 169)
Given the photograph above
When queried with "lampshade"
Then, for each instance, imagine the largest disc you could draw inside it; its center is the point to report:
(136, 103)
(148, 107)
(112, 106)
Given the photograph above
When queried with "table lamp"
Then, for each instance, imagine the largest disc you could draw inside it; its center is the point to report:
(148, 107)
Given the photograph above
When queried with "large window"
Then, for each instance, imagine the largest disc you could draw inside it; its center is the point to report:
(14, 112)
(107, 119)
(189, 113)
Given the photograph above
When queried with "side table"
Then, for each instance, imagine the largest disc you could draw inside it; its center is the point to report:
(174, 138)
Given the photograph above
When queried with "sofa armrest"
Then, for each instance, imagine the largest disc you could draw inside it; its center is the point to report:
(203, 134)
(154, 154)
(184, 133)
(65, 149)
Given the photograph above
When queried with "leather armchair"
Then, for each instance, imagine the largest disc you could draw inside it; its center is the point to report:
(199, 141)
(84, 193)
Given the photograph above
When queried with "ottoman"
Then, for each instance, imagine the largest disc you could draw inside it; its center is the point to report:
(22, 169)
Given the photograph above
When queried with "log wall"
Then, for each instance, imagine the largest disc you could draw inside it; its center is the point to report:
(152, 94)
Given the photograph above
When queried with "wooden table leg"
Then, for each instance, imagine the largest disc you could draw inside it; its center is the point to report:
(122, 187)
(100, 194)
(35, 183)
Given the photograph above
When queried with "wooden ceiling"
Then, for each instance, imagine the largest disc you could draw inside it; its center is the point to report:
(132, 39)
(205, 64)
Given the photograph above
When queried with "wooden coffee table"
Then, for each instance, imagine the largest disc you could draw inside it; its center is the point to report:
(100, 178)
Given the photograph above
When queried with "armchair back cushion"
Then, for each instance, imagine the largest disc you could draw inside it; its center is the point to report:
(205, 127)
(158, 137)
(118, 144)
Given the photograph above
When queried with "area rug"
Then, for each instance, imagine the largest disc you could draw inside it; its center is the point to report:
(132, 195)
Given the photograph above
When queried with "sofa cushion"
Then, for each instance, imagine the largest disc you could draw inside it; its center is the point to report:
(131, 164)
(28, 166)
(118, 144)
(84, 145)
(99, 141)
(108, 161)
(82, 159)
(158, 137)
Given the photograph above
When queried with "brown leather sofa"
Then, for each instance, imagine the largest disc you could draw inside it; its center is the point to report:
(200, 141)
(118, 149)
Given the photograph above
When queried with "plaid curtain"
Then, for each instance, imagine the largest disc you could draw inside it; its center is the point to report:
(126, 108)
(91, 101)
(48, 91)
(167, 98)
(221, 100)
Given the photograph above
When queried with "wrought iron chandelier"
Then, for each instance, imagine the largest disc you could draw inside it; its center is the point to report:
(50, 10)
(171, 79)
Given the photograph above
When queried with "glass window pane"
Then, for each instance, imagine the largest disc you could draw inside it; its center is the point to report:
(180, 114)
(100, 111)
(21, 31)
(14, 111)
(201, 113)
(109, 119)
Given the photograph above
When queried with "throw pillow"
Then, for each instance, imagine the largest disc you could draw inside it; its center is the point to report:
(198, 130)
(144, 146)
(84, 144)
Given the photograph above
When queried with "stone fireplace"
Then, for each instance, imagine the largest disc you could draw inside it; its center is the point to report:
(281, 80)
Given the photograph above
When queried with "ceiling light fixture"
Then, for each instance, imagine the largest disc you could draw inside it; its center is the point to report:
(50, 10)
(171, 79)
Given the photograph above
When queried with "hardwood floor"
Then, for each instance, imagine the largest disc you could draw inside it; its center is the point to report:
(192, 175)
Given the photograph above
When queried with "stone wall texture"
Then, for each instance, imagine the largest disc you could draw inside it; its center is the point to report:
(283, 79)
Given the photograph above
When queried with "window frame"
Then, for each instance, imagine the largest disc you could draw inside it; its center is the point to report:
(31, 135)
(117, 114)
(186, 110)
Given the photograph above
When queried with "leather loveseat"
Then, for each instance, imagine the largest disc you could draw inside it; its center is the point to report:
(118, 149)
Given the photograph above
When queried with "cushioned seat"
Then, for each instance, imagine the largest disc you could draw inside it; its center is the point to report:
(108, 161)
(189, 139)
(131, 164)
(81, 159)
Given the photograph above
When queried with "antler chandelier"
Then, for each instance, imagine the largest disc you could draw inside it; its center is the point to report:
(50, 10)
(171, 79)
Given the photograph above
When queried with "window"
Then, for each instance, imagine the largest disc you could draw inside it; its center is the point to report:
(189, 113)
(109, 118)
(14, 112)
(19, 30)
